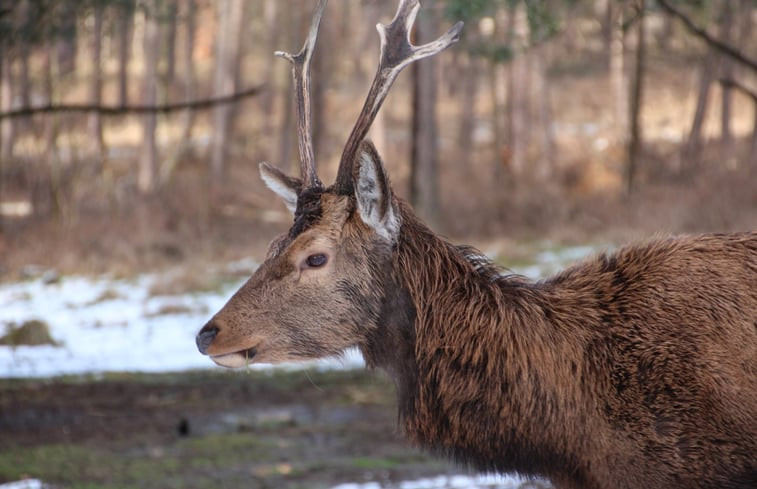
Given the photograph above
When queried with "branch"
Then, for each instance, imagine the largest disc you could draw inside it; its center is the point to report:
(710, 40)
(728, 82)
(133, 109)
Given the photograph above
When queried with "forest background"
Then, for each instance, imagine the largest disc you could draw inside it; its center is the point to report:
(131, 130)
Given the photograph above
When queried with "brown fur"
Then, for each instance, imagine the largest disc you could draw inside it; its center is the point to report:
(637, 369)
(631, 370)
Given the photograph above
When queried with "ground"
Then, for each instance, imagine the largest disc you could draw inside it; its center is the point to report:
(207, 429)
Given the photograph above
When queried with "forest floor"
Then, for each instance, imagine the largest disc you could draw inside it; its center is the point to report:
(211, 429)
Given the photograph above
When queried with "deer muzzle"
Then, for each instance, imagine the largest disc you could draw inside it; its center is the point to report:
(225, 358)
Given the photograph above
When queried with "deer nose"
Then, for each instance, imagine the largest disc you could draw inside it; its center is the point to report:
(205, 337)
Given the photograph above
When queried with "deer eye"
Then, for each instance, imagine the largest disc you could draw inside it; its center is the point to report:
(317, 260)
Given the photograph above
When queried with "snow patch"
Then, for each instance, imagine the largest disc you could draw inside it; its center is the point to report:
(446, 482)
(105, 324)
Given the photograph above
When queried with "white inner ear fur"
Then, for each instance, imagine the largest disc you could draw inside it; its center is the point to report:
(376, 209)
(280, 187)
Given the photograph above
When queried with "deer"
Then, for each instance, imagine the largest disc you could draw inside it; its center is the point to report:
(633, 368)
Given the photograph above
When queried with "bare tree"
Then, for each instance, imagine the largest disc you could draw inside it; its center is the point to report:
(230, 17)
(124, 29)
(468, 67)
(694, 141)
(271, 15)
(6, 103)
(95, 88)
(188, 13)
(148, 162)
(169, 42)
(517, 94)
(67, 41)
(424, 172)
(634, 143)
(617, 69)
(726, 72)
(24, 53)
(542, 88)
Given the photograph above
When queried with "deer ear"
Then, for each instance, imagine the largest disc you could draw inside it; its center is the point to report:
(373, 193)
(284, 186)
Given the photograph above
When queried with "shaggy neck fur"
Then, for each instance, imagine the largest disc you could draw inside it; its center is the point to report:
(470, 338)
(605, 375)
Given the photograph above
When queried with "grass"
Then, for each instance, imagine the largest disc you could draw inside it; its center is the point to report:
(219, 460)
(131, 440)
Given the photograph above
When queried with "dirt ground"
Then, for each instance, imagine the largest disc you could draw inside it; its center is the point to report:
(207, 429)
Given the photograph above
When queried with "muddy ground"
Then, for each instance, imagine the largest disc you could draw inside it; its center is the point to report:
(209, 429)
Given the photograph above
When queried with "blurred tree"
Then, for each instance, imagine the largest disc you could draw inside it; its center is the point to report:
(95, 88)
(637, 94)
(271, 16)
(6, 102)
(424, 174)
(510, 35)
(124, 29)
(727, 35)
(227, 50)
(170, 11)
(188, 12)
(618, 82)
(148, 160)
(66, 15)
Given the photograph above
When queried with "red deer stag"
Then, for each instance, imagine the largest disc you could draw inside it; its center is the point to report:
(636, 369)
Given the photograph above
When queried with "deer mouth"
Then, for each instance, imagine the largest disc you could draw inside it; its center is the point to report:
(236, 359)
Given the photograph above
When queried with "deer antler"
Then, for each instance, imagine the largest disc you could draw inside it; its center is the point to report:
(396, 52)
(301, 74)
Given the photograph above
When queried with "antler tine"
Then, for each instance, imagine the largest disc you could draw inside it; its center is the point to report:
(396, 52)
(301, 74)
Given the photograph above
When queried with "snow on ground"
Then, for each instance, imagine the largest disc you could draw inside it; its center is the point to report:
(104, 324)
(25, 484)
(447, 482)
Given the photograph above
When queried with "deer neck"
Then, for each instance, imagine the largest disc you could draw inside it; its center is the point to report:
(460, 354)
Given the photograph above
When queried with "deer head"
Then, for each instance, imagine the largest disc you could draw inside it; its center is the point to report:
(322, 286)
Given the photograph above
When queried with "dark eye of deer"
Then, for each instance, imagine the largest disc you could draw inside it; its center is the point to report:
(315, 261)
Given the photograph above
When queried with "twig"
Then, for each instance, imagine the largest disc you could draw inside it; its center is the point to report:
(133, 109)
(709, 39)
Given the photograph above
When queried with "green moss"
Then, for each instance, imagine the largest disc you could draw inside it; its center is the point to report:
(184, 463)
(32, 332)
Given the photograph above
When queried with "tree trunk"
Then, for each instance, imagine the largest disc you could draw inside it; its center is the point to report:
(186, 12)
(516, 97)
(518, 94)
(694, 142)
(424, 174)
(124, 25)
(5, 128)
(95, 89)
(617, 72)
(634, 143)
(170, 42)
(726, 72)
(6, 104)
(51, 136)
(67, 42)
(224, 83)
(467, 110)
(24, 85)
(189, 14)
(148, 163)
(541, 86)
(271, 16)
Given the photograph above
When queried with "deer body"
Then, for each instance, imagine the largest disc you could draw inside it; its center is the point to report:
(637, 369)
(619, 372)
